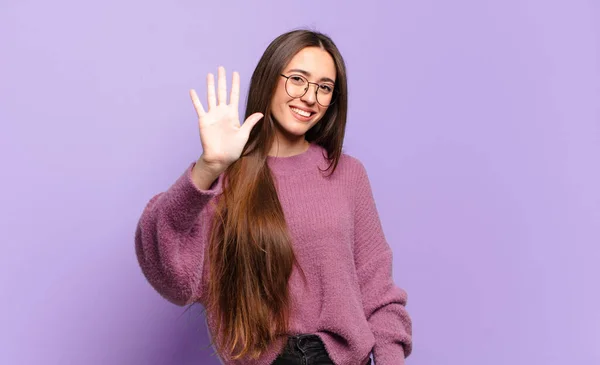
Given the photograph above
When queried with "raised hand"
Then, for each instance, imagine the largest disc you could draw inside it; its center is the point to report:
(221, 134)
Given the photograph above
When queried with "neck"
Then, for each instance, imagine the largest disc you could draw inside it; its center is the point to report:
(284, 148)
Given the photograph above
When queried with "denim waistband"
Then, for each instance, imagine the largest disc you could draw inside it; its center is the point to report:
(309, 341)
(302, 340)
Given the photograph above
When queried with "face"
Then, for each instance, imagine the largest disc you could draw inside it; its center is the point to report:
(296, 115)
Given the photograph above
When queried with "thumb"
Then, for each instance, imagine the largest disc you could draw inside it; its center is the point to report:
(251, 122)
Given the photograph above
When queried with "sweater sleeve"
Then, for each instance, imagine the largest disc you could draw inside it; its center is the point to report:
(384, 302)
(171, 236)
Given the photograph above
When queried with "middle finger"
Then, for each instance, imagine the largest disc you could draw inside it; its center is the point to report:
(222, 86)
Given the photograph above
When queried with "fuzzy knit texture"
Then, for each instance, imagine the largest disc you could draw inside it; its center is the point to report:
(350, 299)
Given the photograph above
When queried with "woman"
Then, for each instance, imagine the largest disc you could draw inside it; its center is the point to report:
(289, 261)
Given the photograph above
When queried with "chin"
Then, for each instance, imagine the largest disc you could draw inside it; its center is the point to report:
(295, 130)
(294, 126)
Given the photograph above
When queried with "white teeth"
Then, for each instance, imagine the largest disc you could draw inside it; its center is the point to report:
(301, 112)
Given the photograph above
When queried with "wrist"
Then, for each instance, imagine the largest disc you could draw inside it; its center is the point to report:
(204, 174)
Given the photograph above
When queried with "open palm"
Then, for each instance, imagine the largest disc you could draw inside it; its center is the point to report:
(222, 136)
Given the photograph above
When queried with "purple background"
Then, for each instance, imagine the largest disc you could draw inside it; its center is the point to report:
(478, 122)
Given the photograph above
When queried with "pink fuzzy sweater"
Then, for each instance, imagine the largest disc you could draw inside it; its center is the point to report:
(350, 300)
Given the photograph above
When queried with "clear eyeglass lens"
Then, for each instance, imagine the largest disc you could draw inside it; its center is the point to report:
(297, 86)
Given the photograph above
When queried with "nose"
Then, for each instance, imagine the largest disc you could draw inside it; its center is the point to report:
(310, 96)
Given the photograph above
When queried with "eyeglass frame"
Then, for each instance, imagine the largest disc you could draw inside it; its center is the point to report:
(333, 93)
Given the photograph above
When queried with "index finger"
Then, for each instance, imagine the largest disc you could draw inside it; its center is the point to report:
(197, 104)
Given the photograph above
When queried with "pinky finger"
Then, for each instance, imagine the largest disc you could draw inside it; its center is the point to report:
(197, 104)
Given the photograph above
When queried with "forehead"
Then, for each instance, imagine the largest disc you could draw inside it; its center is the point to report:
(315, 61)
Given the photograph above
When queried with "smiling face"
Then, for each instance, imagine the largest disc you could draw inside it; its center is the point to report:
(296, 115)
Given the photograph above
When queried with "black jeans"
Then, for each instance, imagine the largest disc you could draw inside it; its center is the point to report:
(305, 349)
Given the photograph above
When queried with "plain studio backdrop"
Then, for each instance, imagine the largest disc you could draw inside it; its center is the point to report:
(478, 122)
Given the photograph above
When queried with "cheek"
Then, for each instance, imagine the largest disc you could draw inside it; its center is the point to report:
(322, 112)
(280, 96)
(278, 102)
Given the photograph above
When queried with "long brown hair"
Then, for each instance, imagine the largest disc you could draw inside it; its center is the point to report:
(250, 252)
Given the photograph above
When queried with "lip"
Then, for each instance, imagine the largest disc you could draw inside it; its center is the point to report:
(305, 109)
(301, 117)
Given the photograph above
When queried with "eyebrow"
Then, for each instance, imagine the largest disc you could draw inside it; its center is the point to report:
(306, 73)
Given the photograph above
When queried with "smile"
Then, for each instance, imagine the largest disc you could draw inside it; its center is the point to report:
(301, 114)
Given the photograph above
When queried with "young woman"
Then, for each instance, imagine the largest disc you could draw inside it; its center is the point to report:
(274, 229)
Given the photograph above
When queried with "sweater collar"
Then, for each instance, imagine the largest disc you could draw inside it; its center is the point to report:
(309, 159)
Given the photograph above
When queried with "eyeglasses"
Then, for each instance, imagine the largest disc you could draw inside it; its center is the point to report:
(296, 86)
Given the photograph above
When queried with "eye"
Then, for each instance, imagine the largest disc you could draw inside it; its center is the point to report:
(326, 88)
(297, 80)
